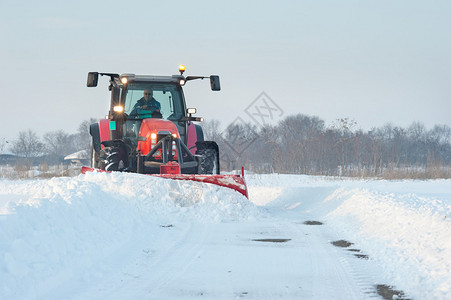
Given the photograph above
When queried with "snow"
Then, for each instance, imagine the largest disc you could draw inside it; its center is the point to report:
(130, 236)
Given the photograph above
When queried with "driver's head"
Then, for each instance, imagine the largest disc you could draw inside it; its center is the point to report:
(148, 94)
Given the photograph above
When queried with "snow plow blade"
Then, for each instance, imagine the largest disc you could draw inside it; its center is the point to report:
(234, 182)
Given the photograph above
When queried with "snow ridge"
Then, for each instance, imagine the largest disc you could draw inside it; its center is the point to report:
(51, 231)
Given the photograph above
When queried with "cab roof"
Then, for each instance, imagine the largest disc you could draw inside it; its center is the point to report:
(152, 78)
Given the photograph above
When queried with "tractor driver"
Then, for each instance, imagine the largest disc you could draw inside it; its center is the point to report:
(147, 102)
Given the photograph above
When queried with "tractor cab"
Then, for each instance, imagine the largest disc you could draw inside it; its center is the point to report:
(147, 99)
(144, 110)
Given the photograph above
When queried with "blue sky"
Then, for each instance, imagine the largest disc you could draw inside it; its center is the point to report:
(371, 61)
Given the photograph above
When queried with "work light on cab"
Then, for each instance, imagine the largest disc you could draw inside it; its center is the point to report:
(118, 108)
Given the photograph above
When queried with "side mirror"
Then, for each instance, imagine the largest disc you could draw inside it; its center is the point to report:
(214, 82)
(93, 78)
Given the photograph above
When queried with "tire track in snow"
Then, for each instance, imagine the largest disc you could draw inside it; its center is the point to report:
(175, 261)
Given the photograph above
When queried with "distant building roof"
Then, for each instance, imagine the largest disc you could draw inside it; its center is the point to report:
(82, 154)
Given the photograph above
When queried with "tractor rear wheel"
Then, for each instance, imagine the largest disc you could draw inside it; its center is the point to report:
(110, 159)
(94, 158)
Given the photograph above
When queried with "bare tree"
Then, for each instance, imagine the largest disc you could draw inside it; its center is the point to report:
(3, 142)
(211, 129)
(83, 138)
(236, 141)
(59, 143)
(27, 145)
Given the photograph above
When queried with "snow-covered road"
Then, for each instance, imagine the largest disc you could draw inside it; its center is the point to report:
(128, 236)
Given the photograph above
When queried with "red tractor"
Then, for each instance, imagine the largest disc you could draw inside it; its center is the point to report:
(150, 130)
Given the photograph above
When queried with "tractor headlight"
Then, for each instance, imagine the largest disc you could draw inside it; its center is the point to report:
(153, 139)
(118, 108)
(124, 80)
(182, 82)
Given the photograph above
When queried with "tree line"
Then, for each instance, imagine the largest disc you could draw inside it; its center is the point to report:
(303, 144)
(52, 147)
(298, 144)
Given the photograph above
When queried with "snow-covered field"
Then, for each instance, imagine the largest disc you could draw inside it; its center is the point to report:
(129, 236)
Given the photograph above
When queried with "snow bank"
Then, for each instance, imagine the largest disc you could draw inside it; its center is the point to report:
(408, 235)
(51, 231)
(404, 226)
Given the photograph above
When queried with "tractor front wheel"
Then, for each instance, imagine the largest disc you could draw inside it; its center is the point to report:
(209, 163)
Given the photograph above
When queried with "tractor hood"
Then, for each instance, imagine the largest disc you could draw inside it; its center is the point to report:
(152, 130)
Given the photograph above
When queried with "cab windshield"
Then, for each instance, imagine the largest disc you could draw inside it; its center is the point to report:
(142, 99)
